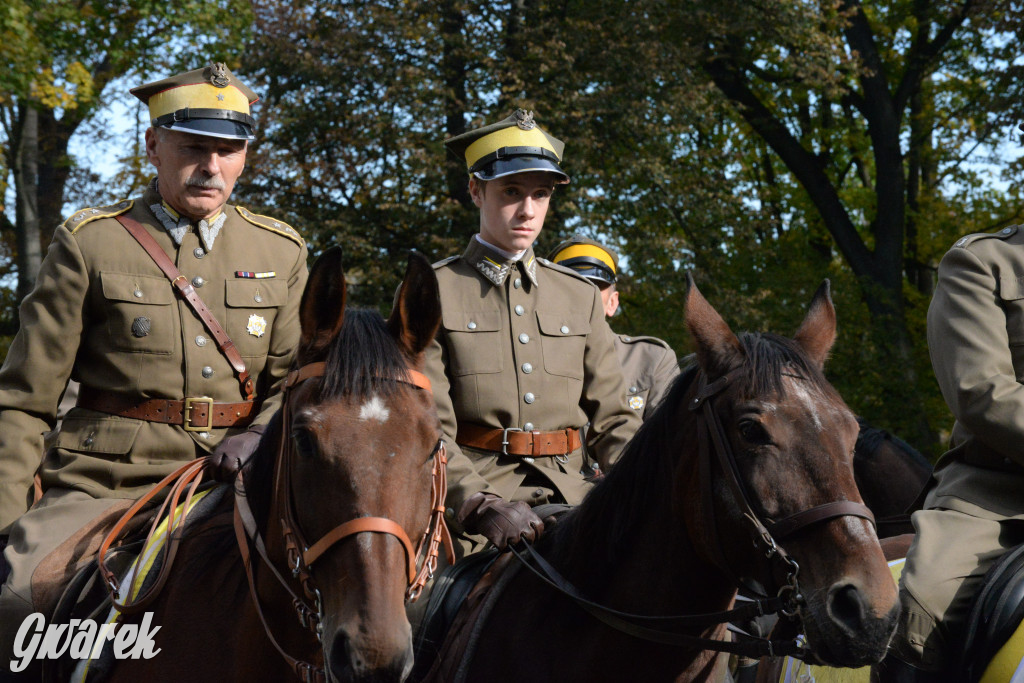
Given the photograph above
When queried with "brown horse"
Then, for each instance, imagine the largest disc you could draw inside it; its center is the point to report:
(671, 531)
(890, 475)
(352, 458)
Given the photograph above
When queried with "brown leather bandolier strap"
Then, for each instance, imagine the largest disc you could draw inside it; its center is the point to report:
(195, 414)
(188, 293)
(517, 442)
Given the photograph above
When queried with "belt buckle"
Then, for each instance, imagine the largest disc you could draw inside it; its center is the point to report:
(190, 401)
(504, 438)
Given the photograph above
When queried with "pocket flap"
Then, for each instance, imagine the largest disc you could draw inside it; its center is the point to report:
(138, 289)
(1011, 288)
(255, 293)
(563, 324)
(471, 321)
(103, 435)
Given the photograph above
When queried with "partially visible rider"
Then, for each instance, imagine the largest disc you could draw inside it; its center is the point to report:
(649, 364)
(974, 510)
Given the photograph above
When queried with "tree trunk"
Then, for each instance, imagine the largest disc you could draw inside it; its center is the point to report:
(26, 174)
(453, 73)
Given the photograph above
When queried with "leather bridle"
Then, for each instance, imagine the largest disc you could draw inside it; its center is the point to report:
(766, 534)
(301, 555)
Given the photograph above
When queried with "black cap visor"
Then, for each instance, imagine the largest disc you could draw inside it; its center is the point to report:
(521, 164)
(590, 268)
(215, 128)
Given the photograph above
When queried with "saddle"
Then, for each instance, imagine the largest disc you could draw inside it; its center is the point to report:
(994, 637)
(85, 595)
(459, 602)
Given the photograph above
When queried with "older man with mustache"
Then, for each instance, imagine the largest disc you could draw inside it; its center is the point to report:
(118, 307)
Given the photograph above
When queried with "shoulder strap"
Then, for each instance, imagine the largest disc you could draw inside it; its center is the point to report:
(188, 293)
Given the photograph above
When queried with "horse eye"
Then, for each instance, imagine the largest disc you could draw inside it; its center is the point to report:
(304, 442)
(754, 432)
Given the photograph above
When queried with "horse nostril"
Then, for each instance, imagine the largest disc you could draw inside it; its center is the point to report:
(846, 607)
(340, 663)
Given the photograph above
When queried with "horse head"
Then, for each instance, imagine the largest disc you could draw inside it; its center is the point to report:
(362, 475)
(786, 481)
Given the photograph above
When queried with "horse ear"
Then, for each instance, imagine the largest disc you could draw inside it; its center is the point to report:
(817, 333)
(416, 314)
(322, 309)
(718, 349)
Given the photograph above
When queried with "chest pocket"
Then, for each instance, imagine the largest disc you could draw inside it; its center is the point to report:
(140, 317)
(563, 341)
(474, 341)
(251, 308)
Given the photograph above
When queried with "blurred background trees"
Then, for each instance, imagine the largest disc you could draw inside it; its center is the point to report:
(763, 144)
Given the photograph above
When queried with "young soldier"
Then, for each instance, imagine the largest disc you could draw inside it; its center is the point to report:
(648, 364)
(524, 357)
(156, 388)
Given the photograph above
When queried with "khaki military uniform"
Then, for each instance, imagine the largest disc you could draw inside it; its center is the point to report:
(649, 365)
(524, 345)
(104, 314)
(974, 510)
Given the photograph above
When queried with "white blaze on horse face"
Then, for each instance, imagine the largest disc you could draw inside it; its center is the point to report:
(374, 409)
(799, 389)
(859, 529)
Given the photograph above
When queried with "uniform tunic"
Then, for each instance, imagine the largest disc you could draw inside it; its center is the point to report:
(524, 344)
(94, 285)
(649, 365)
(976, 343)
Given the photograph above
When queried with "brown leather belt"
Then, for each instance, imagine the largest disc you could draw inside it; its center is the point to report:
(514, 441)
(195, 414)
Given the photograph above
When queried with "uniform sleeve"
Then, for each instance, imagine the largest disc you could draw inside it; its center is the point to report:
(970, 352)
(37, 369)
(463, 479)
(284, 341)
(612, 423)
(666, 370)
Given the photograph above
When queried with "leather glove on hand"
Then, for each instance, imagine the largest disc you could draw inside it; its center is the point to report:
(500, 521)
(228, 458)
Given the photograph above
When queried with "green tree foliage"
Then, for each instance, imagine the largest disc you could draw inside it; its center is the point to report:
(62, 57)
(766, 144)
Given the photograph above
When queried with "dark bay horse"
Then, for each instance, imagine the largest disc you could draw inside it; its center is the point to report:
(353, 458)
(670, 532)
(890, 473)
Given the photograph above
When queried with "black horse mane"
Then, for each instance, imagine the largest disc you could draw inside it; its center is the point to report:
(641, 480)
(869, 439)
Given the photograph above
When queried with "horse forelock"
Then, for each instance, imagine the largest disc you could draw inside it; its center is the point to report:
(364, 360)
(771, 357)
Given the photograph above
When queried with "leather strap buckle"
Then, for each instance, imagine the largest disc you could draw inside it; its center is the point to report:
(504, 438)
(190, 402)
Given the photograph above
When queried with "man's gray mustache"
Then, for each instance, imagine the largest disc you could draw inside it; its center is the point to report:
(206, 183)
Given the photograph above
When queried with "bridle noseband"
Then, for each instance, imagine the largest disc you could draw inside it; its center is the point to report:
(301, 555)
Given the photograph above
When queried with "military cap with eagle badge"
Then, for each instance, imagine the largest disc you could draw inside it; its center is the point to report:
(208, 101)
(514, 145)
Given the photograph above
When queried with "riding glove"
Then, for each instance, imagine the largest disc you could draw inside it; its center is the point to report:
(228, 458)
(500, 521)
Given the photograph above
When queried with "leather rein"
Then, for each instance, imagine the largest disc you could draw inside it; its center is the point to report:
(766, 535)
(301, 555)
